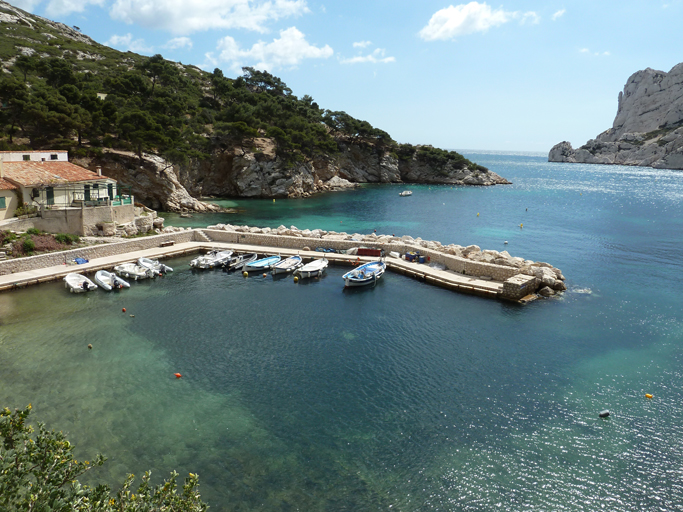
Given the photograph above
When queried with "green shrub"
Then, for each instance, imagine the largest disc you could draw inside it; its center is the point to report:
(28, 246)
(67, 239)
(33, 231)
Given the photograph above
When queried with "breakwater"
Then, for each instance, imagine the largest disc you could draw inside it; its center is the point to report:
(465, 269)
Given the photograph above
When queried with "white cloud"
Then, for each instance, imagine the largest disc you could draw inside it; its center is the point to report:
(287, 51)
(463, 19)
(179, 42)
(57, 8)
(597, 54)
(559, 14)
(26, 5)
(125, 43)
(182, 17)
(530, 17)
(362, 44)
(376, 57)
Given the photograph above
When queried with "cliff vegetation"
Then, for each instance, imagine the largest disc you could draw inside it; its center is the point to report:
(188, 132)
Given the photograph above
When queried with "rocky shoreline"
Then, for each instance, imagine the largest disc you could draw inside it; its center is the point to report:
(258, 173)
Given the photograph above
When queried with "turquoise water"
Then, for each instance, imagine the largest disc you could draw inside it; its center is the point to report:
(405, 396)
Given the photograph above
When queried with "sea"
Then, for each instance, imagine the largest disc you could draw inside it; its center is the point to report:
(402, 396)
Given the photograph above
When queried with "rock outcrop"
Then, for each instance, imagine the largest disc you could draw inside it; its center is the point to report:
(647, 130)
(261, 174)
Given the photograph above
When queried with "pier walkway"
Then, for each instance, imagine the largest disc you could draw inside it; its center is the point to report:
(444, 278)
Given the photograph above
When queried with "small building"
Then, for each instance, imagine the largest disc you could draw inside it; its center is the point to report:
(69, 198)
(8, 199)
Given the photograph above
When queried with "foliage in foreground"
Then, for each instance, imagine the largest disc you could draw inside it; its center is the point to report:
(39, 473)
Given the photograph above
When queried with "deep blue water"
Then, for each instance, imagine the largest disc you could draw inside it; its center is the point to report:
(405, 396)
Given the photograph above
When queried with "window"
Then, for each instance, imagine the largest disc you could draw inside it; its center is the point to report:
(53, 157)
(27, 158)
(3, 205)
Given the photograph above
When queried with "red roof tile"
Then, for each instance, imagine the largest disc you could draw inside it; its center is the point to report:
(46, 173)
(6, 185)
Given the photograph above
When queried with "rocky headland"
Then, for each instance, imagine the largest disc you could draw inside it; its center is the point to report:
(259, 173)
(647, 130)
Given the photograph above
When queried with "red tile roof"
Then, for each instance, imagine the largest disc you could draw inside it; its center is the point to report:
(46, 173)
(6, 185)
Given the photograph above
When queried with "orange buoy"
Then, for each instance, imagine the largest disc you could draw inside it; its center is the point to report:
(265, 275)
(648, 395)
(177, 375)
(124, 310)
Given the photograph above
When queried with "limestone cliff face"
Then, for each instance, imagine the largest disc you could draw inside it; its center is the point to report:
(259, 173)
(154, 182)
(262, 174)
(647, 130)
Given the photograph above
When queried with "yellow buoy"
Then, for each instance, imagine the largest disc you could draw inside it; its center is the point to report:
(648, 395)
(477, 215)
(296, 279)
(273, 200)
(521, 225)
(245, 274)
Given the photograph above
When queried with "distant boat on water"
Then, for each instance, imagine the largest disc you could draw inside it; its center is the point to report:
(405, 193)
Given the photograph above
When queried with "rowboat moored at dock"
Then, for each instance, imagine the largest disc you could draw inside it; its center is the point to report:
(368, 273)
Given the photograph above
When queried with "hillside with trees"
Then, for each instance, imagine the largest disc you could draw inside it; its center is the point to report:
(62, 90)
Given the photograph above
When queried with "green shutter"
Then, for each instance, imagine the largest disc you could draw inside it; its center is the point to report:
(3, 205)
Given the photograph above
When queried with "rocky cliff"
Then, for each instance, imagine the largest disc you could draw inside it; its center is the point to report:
(258, 173)
(647, 130)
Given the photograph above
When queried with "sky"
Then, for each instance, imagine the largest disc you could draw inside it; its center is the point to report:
(511, 76)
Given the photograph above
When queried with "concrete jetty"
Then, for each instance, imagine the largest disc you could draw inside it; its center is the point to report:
(492, 281)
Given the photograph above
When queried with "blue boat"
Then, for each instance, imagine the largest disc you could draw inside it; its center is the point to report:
(368, 273)
(262, 264)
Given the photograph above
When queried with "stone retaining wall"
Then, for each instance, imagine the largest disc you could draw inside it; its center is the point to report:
(455, 263)
(94, 251)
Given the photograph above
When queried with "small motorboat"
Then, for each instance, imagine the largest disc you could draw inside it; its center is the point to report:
(237, 262)
(108, 281)
(313, 268)
(368, 273)
(133, 271)
(78, 283)
(155, 266)
(287, 265)
(212, 259)
(262, 264)
(405, 193)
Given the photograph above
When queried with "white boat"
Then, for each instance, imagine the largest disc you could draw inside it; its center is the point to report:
(78, 283)
(132, 271)
(287, 265)
(155, 266)
(405, 193)
(108, 281)
(237, 262)
(212, 259)
(262, 264)
(365, 274)
(313, 268)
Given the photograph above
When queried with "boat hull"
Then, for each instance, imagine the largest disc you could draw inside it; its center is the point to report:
(365, 275)
(287, 266)
(313, 269)
(262, 264)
